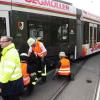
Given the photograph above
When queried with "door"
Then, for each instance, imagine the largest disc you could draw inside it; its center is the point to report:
(92, 34)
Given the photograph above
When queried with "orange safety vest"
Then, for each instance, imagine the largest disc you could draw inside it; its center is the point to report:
(37, 49)
(26, 76)
(65, 67)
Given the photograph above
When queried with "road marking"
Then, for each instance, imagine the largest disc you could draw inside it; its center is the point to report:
(98, 92)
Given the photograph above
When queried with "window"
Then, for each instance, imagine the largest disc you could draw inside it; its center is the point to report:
(98, 33)
(91, 36)
(95, 32)
(86, 33)
(63, 32)
(2, 26)
(36, 30)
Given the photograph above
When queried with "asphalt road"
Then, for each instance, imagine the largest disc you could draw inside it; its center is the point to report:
(47, 90)
(85, 85)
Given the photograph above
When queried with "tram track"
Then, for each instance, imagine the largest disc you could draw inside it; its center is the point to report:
(53, 88)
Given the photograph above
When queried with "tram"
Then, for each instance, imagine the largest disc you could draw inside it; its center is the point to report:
(61, 26)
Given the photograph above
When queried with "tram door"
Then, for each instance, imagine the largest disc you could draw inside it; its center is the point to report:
(92, 34)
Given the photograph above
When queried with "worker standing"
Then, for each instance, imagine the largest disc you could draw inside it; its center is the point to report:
(11, 82)
(40, 52)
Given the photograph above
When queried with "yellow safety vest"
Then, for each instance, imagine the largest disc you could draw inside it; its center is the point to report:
(10, 68)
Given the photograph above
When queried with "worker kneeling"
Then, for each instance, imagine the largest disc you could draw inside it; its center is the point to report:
(64, 67)
(26, 72)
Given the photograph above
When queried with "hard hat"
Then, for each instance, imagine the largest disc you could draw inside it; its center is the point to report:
(24, 54)
(62, 54)
(31, 41)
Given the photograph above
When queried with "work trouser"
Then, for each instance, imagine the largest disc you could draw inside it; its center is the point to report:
(41, 69)
(11, 97)
(39, 63)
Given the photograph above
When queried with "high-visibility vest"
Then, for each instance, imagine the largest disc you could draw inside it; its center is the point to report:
(37, 49)
(10, 67)
(65, 67)
(26, 76)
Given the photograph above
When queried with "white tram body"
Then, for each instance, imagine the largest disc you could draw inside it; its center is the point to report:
(61, 26)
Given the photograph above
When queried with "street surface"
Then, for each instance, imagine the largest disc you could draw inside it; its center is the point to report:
(86, 82)
(82, 88)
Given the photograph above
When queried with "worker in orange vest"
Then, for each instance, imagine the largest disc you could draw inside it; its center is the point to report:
(40, 53)
(26, 73)
(64, 67)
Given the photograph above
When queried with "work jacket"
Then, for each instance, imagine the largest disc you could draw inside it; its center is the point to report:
(64, 68)
(26, 76)
(10, 71)
(37, 49)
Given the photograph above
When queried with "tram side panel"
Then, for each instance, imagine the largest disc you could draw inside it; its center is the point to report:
(79, 35)
(58, 34)
(72, 39)
(18, 28)
(88, 35)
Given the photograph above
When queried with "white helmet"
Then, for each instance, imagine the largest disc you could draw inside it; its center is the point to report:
(62, 54)
(24, 54)
(31, 41)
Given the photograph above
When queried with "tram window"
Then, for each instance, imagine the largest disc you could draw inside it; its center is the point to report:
(2, 26)
(86, 33)
(36, 30)
(91, 36)
(98, 33)
(62, 32)
(95, 31)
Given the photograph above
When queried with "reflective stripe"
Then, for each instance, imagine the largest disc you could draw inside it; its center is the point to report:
(34, 83)
(1, 76)
(17, 69)
(9, 63)
(36, 79)
(26, 80)
(10, 69)
(63, 71)
(39, 71)
(32, 74)
(43, 74)
(45, 71)
(16, 76)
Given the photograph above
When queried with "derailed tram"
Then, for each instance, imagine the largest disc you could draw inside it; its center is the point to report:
(61, 26)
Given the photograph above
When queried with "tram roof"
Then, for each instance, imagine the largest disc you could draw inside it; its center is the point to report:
(40, 5)
(49, 7)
